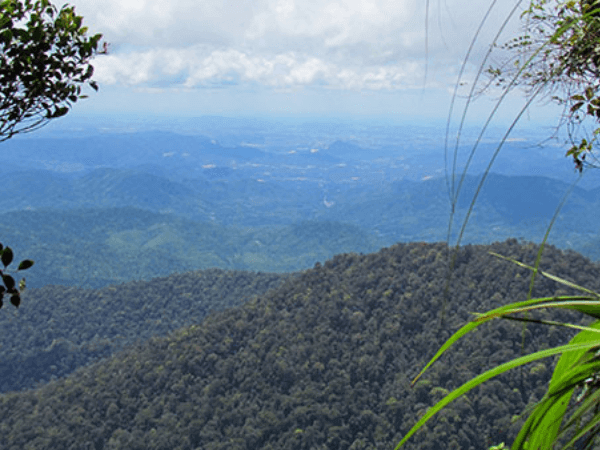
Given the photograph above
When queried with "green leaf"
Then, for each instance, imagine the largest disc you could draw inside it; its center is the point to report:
(547, 275)
(60, 111)
(15, 299)
(589, 93)
(588, 404)
(25, 264)
(6, 36)
(9, 282)
(548, 414)
(586, 429)
(576, 106)
(567, 302)
(585, 305)
(7, 256)
(543, 425)
(491, 374)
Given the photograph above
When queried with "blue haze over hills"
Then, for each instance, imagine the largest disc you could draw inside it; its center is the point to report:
(108, 200)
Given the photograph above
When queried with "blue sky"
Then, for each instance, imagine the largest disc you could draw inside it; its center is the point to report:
(286, 57)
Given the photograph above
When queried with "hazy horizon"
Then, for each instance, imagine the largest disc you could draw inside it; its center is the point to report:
(287, 59)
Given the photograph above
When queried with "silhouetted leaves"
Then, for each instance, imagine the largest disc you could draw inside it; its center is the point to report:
(558, 57)
(25, 264)
(45, 58)
(10, 287)
(6, 256)
(45, 55)
(9, 282)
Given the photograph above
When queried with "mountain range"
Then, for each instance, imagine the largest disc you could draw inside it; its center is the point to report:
(244, 285)
(114, 225)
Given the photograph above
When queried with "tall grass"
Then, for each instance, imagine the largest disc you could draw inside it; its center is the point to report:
(560, 415)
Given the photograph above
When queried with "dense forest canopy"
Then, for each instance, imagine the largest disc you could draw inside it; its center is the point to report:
(64, 328)
(322, 361)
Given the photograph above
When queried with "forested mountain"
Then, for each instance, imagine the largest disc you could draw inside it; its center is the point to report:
(240, 197)
(63, 328)
(98, 247)
(321, 362)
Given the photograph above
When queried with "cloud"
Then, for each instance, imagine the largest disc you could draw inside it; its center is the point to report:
(201, 67)
(343, 44)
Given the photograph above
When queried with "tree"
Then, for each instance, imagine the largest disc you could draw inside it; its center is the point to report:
(557, 58)
(45, 58)
(45, 55)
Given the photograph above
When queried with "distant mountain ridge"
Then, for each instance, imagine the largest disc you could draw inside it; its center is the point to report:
(111, 225)
(246, 198)
(520, 197)
(412, 151)
(101, 246)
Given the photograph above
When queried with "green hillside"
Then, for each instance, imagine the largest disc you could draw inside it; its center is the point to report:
(58, 329)
(98, 247)
(321, 362)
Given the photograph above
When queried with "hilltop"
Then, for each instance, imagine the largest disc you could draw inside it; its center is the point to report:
(321, 362)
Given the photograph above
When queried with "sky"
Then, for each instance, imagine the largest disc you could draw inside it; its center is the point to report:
(342, 58)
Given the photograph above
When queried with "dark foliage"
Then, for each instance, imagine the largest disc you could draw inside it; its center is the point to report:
(45, 58)
(45, 55)
(63, 328)
(8, 286)
(322, 362)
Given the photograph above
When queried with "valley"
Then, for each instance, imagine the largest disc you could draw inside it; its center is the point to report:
(252, 290)
(96, 206)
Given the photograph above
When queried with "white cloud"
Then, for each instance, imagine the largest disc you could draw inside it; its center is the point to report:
(340, 44)
(199, 67)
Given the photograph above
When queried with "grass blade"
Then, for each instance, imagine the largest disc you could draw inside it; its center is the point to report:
(547, 275)
(491, 374)
(493, 314)
(542, 427)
